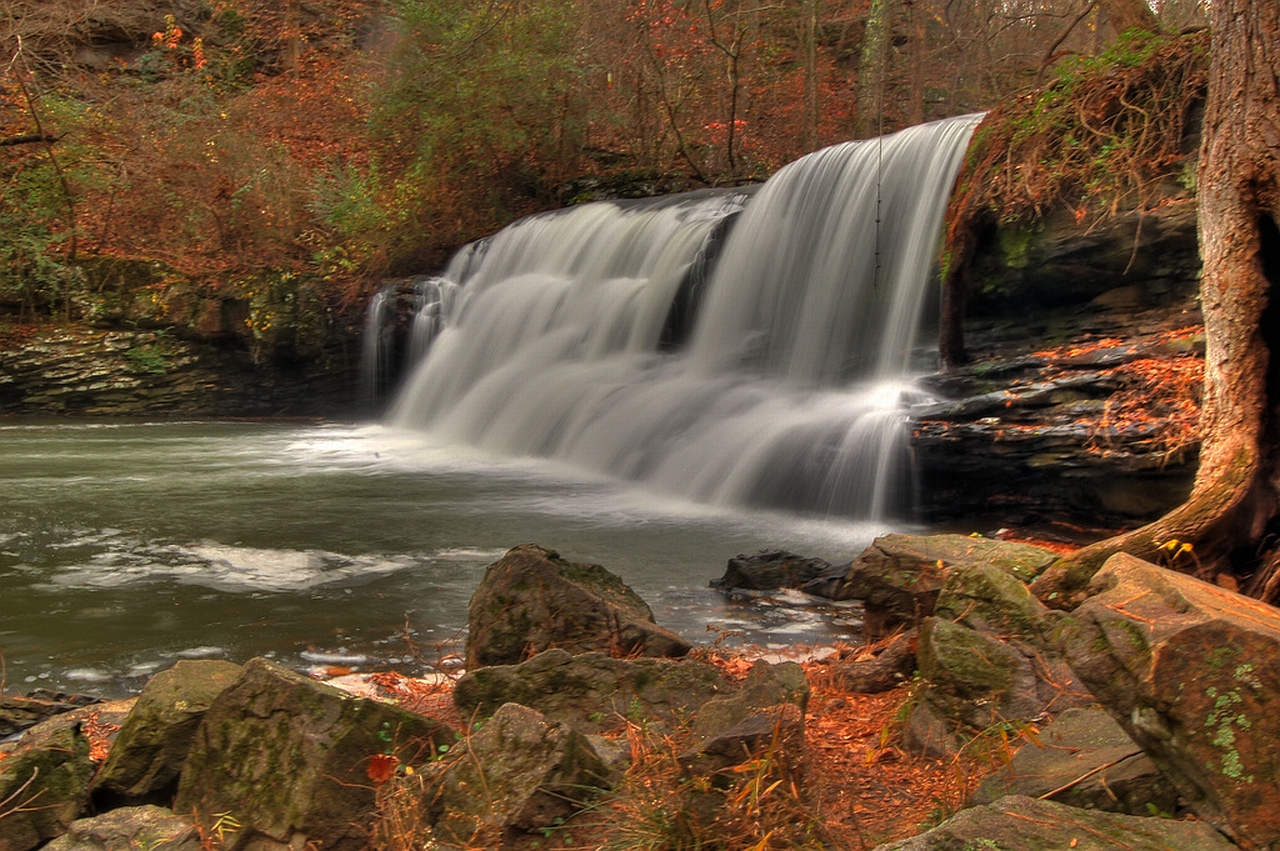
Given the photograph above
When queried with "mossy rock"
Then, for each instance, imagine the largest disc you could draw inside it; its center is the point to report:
(153, 742)
(289, 758)
(44, 785)
(593, 691)
(531, 600)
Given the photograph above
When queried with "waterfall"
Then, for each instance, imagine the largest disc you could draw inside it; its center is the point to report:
(736, 347)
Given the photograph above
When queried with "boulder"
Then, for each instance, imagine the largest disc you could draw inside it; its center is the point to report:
(519, 772)
(988, 657)
(1189, 671)
(879, 667)
(773, 733)
(766, 571)
(531, 600)
(900, 576)
(1023, 824)
(592, 691)
(290, 759)
(148, 828)
(153, 742)
(1084, 759)
(766, 685)
(44, 785)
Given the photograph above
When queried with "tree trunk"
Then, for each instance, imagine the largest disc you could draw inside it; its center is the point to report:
(1232, 518)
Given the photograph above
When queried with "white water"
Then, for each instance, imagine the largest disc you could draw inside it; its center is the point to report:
(791, 393)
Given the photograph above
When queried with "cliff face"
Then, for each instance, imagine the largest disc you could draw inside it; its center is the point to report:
(1079, 407)
(152, 343)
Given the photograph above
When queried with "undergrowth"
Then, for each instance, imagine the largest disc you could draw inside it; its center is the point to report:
(1104, 137)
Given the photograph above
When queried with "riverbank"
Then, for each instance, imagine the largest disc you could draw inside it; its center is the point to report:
(655, 745)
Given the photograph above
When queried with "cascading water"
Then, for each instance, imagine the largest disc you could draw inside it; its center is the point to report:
(570, 335)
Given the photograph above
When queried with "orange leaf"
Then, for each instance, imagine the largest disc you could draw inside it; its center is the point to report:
(382, 767)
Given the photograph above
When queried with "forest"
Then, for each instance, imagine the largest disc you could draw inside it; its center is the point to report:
(280, 149)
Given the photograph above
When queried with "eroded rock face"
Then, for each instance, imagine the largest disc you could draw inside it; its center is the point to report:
(1189, 671)
(153, 742)
(289, 758)
(531, 600)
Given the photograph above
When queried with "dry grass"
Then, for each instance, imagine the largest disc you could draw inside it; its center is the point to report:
(859, 787)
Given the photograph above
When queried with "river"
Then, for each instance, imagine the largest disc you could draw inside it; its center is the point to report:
(125, 547)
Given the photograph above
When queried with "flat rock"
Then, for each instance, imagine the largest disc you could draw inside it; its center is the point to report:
(1024, 824)
(592, 691)
(1084, 759)
(145, 828)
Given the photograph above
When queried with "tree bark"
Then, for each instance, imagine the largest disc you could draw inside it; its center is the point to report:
(1232, 518)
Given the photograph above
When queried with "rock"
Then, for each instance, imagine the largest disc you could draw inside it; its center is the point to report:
(1084, 759)
(1022, 824)
(592, 691)
(289, 758)
(766, 685)
(900, 576)
(149, 750)
(988, 657)
(148, 828)
(880, 668)
(531, 600)
(520, 771)
(44, 785)
(1188, 670)
(774, 733)
(766, 571)
(22, 712)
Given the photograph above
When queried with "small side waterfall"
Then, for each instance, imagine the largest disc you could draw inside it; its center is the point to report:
(720, 346)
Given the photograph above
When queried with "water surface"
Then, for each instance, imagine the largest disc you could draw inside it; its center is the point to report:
(126, 547)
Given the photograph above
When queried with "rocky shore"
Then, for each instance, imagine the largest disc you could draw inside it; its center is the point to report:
(1142, 719)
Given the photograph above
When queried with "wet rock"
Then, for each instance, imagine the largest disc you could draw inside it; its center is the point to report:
(766, 571)
(1029, 825)
(44, 785)
(152, 744)
(592, 691)
(289, 758)
(1084, 759)
(531, 600)
(519, 772)
(147, 828)
(1188, 670)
